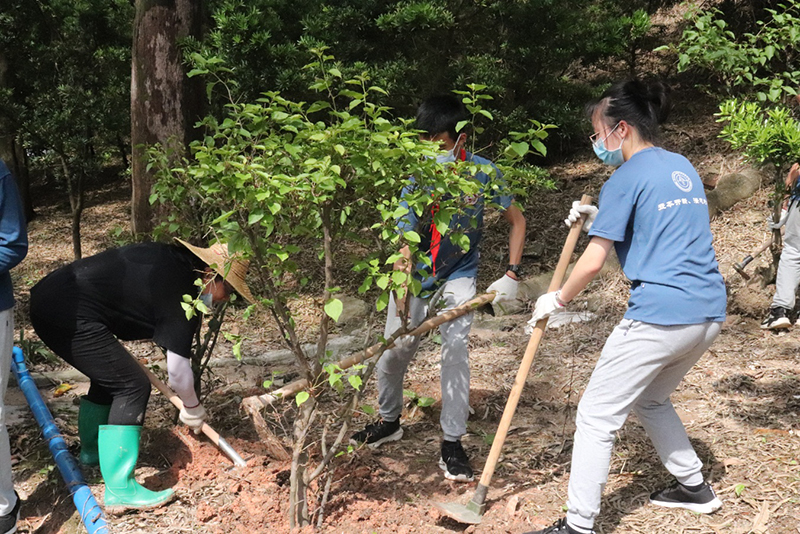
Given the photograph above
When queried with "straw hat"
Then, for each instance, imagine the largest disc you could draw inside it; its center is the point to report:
(217, 257)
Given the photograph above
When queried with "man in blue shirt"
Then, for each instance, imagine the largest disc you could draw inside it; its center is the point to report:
(13, 248)
(449, 266)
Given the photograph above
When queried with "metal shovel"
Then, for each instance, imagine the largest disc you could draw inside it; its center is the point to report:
(472, 513)
(212, 434)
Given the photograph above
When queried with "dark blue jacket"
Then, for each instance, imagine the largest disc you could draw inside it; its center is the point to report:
(13, 235)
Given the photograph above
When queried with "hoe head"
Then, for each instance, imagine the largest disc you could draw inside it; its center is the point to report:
(740, 269)
(471, 514)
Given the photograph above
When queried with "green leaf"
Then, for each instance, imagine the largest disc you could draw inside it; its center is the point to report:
(383, 301)
(333, 308)
(255, 217)
(398, 277)
(424, 402)
(222, 218)
(355, 381)
(334, 379)
(365, 285)
(520, 148)
(412, 237)
(301, 397)
(367, 409)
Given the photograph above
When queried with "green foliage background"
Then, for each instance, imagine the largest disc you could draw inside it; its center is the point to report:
(524, 51)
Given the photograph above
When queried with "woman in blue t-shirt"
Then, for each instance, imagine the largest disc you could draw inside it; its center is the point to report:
(653, 211)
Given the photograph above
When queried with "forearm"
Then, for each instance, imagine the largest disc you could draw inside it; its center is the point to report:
(181, 378)
(516, 236)
(589, 264)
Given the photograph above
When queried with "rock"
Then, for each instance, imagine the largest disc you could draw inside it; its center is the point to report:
(353, 310)
(732, 188)
(532, 287)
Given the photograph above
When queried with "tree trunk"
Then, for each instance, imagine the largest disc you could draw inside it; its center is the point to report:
(298, 493)
(12, 152)
(75, 191)
(165, 104)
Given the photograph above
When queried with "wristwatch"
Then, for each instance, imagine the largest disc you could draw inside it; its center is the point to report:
(514, 268)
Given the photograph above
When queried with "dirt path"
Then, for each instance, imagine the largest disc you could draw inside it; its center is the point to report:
(740, 405)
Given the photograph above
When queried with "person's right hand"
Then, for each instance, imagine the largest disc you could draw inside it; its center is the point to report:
(194, 417)
(579, 209)
(546, 305)
(777, 225)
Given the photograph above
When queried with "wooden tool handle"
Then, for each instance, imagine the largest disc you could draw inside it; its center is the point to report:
(297, 386)
(530, 352)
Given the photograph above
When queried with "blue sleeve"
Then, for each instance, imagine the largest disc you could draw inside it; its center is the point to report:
(616, 207)
(501, 198)
(408, 222)
(13, 234)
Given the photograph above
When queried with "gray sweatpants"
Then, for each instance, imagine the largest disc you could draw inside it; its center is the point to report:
(639, 368)
(789, 267)
(455, 359)
(7, 497)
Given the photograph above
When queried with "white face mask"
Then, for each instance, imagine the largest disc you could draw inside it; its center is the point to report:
(447, 157)
(450, 155)
(208, 300)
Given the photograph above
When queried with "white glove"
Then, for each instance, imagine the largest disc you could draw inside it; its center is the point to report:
(546, 305)
(777, 225)
(194, 417)
(577, 210)
(506, 289)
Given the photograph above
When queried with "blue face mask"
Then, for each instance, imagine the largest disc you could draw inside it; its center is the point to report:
(614, 157)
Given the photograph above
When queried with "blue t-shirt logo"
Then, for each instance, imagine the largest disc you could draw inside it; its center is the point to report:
(683, 181)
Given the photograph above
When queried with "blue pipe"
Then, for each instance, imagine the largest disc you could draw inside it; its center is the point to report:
(91, 514)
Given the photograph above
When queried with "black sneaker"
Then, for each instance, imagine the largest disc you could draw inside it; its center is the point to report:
(378, 433)
(777, 319)
(701, 500)
(8, 522)
(560, 527)
(454, 462)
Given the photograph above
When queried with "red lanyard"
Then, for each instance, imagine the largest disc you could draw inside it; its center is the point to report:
(436, 237)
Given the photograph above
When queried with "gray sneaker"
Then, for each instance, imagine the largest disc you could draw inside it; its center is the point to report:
(8, 522)
(778, 319)
(377, 434)
(701, 500)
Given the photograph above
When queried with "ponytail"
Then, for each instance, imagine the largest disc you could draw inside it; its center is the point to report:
(643, 105)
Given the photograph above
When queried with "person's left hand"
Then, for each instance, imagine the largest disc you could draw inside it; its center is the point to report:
(545, 306)
(506, 289)
(194, 417)
(579, 209)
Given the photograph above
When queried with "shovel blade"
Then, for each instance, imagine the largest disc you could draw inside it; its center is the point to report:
(471, 514)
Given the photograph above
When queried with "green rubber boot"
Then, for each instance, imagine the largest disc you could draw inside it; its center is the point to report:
(119, 451)
(90, 417)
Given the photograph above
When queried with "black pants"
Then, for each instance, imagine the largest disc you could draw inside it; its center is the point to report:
(91, 348)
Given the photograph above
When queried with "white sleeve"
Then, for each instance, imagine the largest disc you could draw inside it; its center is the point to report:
(181, 378)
